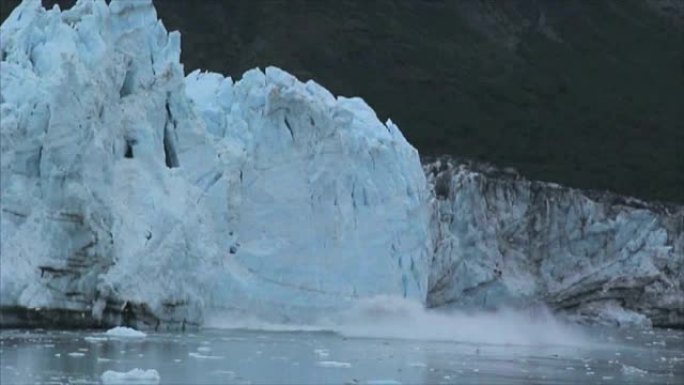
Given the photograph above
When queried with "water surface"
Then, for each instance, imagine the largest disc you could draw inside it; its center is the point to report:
(255, 357)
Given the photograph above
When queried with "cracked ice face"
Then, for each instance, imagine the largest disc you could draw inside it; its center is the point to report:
(328, 203)
(267, 195)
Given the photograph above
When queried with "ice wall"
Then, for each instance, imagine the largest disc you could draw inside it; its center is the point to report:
(327, 203)
(125, 200)
(502, 240)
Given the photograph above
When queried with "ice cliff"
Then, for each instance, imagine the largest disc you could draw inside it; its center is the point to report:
(126, 199)
(134, 195)
(502, 240)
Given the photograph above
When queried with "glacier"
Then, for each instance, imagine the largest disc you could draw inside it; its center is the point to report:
(502, 240)
(132, 194)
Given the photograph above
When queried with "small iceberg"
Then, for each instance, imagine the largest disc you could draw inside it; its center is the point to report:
(632, 370)
(125, 332)
(135, 376)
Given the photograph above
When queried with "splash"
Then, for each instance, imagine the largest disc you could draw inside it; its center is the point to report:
(399, 318)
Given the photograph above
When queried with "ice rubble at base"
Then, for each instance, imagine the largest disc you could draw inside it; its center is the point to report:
(133, 195)
(125, 197)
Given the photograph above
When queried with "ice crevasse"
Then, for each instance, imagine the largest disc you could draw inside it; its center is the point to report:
(131, 191)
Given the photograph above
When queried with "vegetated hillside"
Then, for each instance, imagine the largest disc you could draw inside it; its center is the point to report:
(582, 92)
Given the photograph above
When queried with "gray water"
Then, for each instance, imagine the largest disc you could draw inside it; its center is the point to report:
(256, 357)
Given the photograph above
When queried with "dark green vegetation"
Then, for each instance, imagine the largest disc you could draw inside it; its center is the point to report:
(585, 93)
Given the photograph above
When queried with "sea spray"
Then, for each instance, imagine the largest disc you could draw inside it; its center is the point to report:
(399, 318)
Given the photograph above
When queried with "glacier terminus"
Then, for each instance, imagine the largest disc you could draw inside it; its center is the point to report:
(134, 194)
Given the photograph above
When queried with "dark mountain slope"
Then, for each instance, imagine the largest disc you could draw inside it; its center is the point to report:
(585, 93)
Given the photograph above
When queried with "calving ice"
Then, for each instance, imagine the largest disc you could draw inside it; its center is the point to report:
(133, 194)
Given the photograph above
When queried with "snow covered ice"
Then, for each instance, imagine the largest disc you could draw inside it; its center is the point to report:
(133, 194)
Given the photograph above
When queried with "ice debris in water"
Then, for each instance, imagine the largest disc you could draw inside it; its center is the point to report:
(626, 369)
(125, 332)
(333, 364)
(94, 340)
(203, 356)
(135, 376)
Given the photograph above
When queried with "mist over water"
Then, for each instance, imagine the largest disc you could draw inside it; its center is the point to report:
(399, 318)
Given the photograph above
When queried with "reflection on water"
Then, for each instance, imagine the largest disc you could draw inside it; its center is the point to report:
(242, 357)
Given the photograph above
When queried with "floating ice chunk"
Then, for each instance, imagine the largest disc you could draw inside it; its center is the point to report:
(322, 352)
(226, 373)
(333, 364)
(203, 356)
(626, 369)
(92, 339)
(76, 354)
(125, 332)
(135, 376)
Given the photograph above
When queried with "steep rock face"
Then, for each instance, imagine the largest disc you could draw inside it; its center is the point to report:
(501, 240)
(121, 205)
